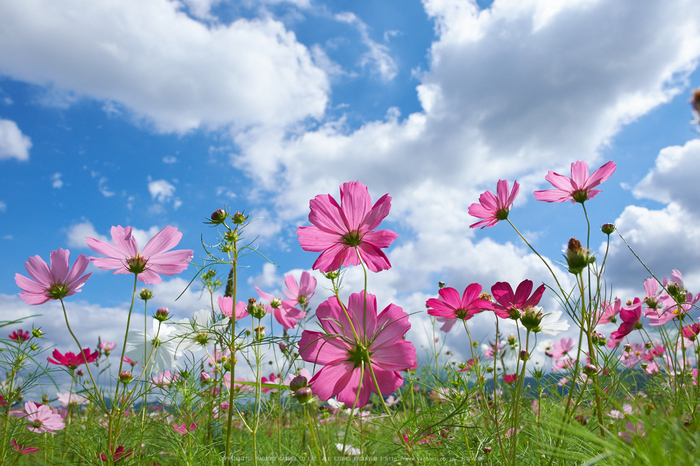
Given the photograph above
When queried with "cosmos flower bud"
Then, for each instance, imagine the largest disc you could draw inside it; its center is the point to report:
(219, 216)
(441, 284)
(577, 257)
(487, 450)
(695, 102)
(608, 228)
(146, 294)
(125, 377)
(590, 369)
(36, 332)
(239, 218)
(255, 309)
(524, 355)
(204, 378)
(303, 395)
(298, 382)
(259, 333)
(33, 347)
(598, 338)
(80, 373)
(532, 318)
(511, 339)
(162, 314)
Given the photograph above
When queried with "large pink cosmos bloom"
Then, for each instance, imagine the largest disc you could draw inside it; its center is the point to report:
(287, 317)
(226, 307)
(42, 418)
(339, 348)
(343, 232)
(156, 258)
(493, 209)
(452, 306)
(509, 303)
(299, 294)
(609, 311)
(55, 282)
(578, 188)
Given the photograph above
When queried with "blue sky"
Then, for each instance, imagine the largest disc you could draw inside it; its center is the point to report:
(154, 113)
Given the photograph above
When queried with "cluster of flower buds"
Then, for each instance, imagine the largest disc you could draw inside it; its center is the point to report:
(301, 390)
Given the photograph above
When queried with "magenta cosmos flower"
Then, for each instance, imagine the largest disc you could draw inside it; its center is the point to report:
(42, 418)
(452, 306)
(578, 188)
(493, 209)
(156, 258)
(72, 360)
(631, 317)
(514, 304)
(55, 282)
(345, 233)
(346, 346)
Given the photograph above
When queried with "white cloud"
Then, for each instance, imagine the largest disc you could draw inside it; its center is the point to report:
(377, 57)
(163, 66)
(664, 239)
(169, 159)
(674, 178)
(13, 144)
(160, 190)
(3, 206)
(56, 181)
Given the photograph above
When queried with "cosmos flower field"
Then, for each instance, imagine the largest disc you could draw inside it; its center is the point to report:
(349, 386)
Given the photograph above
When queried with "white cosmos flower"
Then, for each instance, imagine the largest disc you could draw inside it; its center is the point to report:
(168, 346)
(552, 326)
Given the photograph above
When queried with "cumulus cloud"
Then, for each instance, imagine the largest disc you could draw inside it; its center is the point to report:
(377, 58)
(187, 77)
(13, 144)
(56, 181)
(3, 206)
(665, 238)
(160, 190)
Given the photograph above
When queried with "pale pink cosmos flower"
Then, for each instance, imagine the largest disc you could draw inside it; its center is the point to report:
(156, 258)
(452, 306)
(288, 317)
(299, 294)
(55, 282)
(107, 346)
(42, 418)
(578, 188)
(609, 311)
(561, 349)
(345, 234)
(183, 429)
(226, 307)
(72, 398)
(493, 209)
(339, 348)
(18, 447)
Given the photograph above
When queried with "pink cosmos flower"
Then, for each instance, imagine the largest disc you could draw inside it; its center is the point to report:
(55, 282)
(447, 324)
(226, 307)
(452, 306)
(517, 303)
(609, 311)
(637, 353)
(156, 258)
(561, 349)
(510, 378)
(494, 208)
(347, 346)
(288, 317)
(183, 429)
(119, 454)
(299, 294)
(72, 360)
(42, 418)
(578, 188)
(691, 331)
(345, 233)
(19, 336)
(164, 379)
(107, 346)
(23, 451)
(631, 319)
